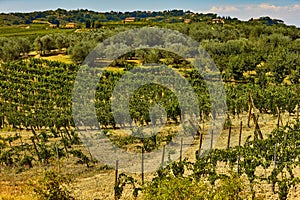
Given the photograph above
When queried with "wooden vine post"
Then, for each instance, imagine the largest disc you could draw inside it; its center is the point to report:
(229, 136)
(297, 111)
(211, 139)
(57, 157)
(200, 145)
(250, 106)
(257, 128)
(279, 119)
(200, 137)
(143, 178)
(163, 156)
(253, 113)
(35, 148)
(298, 104)
(195, 128)
(240, 141)
(116, 177)
(181, 143)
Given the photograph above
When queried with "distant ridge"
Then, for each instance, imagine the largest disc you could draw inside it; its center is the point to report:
(62, 16)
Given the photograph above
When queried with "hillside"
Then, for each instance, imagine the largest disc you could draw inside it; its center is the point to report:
(61, 17)
(50, 143)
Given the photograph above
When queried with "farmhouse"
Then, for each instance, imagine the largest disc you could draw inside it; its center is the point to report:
(53, 25)
(129, 19)
(70, 25)
(217, 21)
(187, 21)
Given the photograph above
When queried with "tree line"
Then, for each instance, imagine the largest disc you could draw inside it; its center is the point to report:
(236, 48)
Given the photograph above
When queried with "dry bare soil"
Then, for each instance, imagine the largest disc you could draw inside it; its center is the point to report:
(97, 183)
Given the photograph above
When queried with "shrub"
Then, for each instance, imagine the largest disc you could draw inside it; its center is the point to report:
(52, 186)
(227, 188)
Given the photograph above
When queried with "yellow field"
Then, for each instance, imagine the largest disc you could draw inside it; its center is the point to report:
(60, 57)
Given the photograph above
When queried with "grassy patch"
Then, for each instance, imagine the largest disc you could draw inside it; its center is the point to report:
(60, 57)
(29, 30)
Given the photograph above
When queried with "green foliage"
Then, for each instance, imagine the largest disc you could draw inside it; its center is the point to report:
(42, 91)
(11, 49)
(41, 149)
(173, 187)
(203, 180)
(52, 186)
(80, 51)
(91, 18)
(83, 159)
(36, 94)
(122, 181)
(31, 33)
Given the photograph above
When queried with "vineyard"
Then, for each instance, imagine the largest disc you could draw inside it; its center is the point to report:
(36, 98)
(45, 155)
(250, 171)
